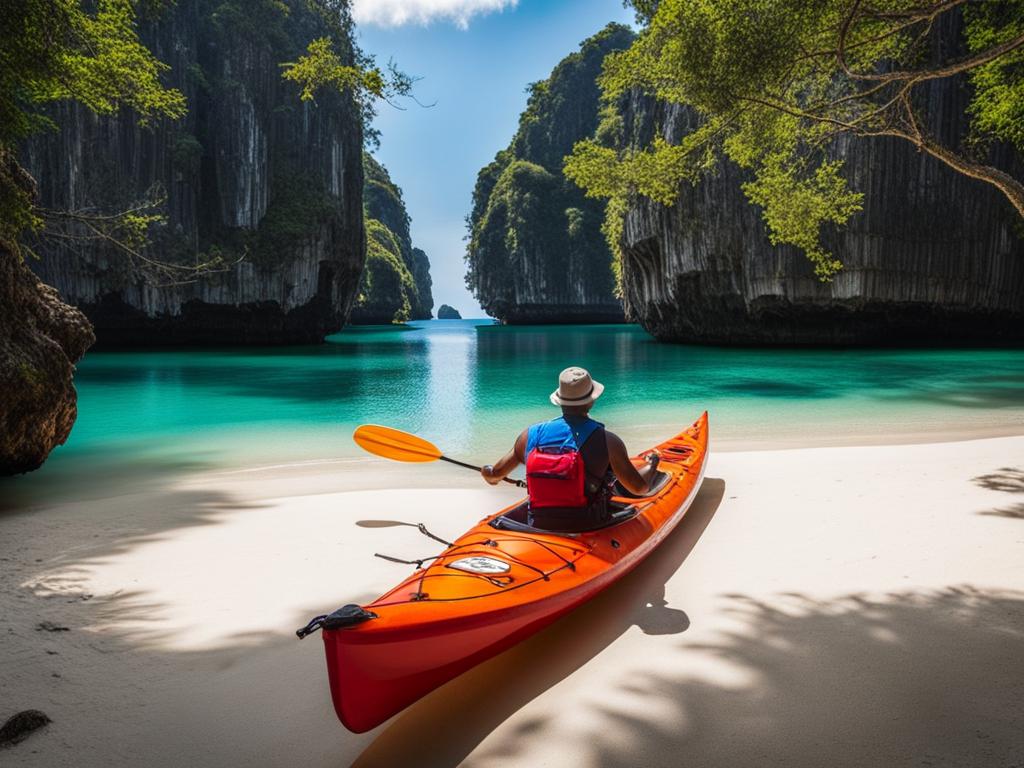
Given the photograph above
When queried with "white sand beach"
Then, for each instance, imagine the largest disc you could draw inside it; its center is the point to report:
(844, 606)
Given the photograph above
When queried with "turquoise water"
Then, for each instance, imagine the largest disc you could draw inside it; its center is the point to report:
(471, 386)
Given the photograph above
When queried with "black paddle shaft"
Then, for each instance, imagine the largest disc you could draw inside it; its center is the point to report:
(518, 483)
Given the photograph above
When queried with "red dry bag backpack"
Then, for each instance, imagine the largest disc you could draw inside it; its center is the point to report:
(555, 474)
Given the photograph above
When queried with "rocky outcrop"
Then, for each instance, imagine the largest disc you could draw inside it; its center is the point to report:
(536, 252)
(251, 173)
(934, 257)
(41, 339)
(448, 313)
(396, 284)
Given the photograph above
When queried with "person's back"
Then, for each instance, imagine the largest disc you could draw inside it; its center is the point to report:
(571, 461)
(567, 473)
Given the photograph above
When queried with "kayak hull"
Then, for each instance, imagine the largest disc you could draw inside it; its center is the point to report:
(433, 627)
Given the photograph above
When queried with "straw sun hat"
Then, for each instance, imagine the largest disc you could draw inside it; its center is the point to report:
(576, 387)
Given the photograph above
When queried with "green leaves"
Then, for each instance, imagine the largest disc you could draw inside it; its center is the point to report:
(772, 83)
(796, 205)
(101, 63)
(997, 108)
(321, 67)
(56, 50)
(386, 283)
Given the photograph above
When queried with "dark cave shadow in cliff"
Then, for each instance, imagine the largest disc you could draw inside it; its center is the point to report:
(913, 678)
(449, 723)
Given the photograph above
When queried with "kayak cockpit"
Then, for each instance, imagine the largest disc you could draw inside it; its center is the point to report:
(516, 520)
(620, 506)
(660, 481)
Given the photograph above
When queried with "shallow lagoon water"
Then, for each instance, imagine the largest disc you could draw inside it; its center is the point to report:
(471, 385)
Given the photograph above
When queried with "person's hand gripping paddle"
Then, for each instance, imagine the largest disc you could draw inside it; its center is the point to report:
(401, 446)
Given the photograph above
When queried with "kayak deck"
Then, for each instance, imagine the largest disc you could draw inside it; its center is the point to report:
(444, 619)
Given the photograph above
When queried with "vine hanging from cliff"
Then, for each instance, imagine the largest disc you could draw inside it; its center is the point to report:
(776, 82)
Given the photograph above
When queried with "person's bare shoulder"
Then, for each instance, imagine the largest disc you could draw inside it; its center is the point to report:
(615, 444)
(520, 445)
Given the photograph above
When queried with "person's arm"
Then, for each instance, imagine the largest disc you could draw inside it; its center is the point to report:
(503, 466)
(634, 480)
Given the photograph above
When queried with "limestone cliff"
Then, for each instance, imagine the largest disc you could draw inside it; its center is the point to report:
(536, 253)
(395, 284)
(251, 173)
(934, 257)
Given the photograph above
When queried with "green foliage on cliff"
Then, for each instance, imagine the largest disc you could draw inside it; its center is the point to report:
(262, 20)
(382, 200)
(396, 284)
(386, 283)
(998, 103)
(334, 62)
(321, 67)
(774, 82)
(54, 50)
(300, 206)
(527, 219)
(524, 217)
(90, 52)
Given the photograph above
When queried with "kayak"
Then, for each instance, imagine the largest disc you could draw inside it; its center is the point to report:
(494, 586)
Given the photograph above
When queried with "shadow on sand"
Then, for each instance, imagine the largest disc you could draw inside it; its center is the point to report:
(1006, 480)
(453, 720)
(906, 679)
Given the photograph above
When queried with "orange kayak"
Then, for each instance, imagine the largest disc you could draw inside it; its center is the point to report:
(495, 585)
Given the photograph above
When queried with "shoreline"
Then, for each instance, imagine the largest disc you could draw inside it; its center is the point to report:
(808, 591)
(879, 439)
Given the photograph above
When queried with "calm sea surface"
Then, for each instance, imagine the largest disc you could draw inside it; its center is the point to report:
(470, 387)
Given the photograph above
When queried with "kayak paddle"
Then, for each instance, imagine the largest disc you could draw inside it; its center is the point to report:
(401, 446)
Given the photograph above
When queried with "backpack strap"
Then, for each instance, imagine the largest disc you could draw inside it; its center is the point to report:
(560, 433)
(583, 433)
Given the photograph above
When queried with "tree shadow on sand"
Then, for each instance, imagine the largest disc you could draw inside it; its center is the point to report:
(1006, 480)
(908, 679)
(120, 660)
(444, 727)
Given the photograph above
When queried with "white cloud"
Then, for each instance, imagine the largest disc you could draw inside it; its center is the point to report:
(395, 13)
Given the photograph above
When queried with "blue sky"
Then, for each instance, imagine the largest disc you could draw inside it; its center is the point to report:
(476, 58)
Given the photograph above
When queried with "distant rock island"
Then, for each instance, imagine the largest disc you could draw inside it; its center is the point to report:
(448, 313)
(536, 253)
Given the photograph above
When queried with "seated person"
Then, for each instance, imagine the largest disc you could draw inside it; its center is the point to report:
(572, 461)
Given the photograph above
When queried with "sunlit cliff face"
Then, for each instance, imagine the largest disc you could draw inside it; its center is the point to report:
(934, 257)
(271, 185)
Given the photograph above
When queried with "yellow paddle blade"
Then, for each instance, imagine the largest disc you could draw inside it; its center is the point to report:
(395, 444)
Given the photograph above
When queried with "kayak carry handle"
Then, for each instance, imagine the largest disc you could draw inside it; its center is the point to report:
(346, 616)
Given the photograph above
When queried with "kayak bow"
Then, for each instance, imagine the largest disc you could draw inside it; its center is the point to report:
(495, 585)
